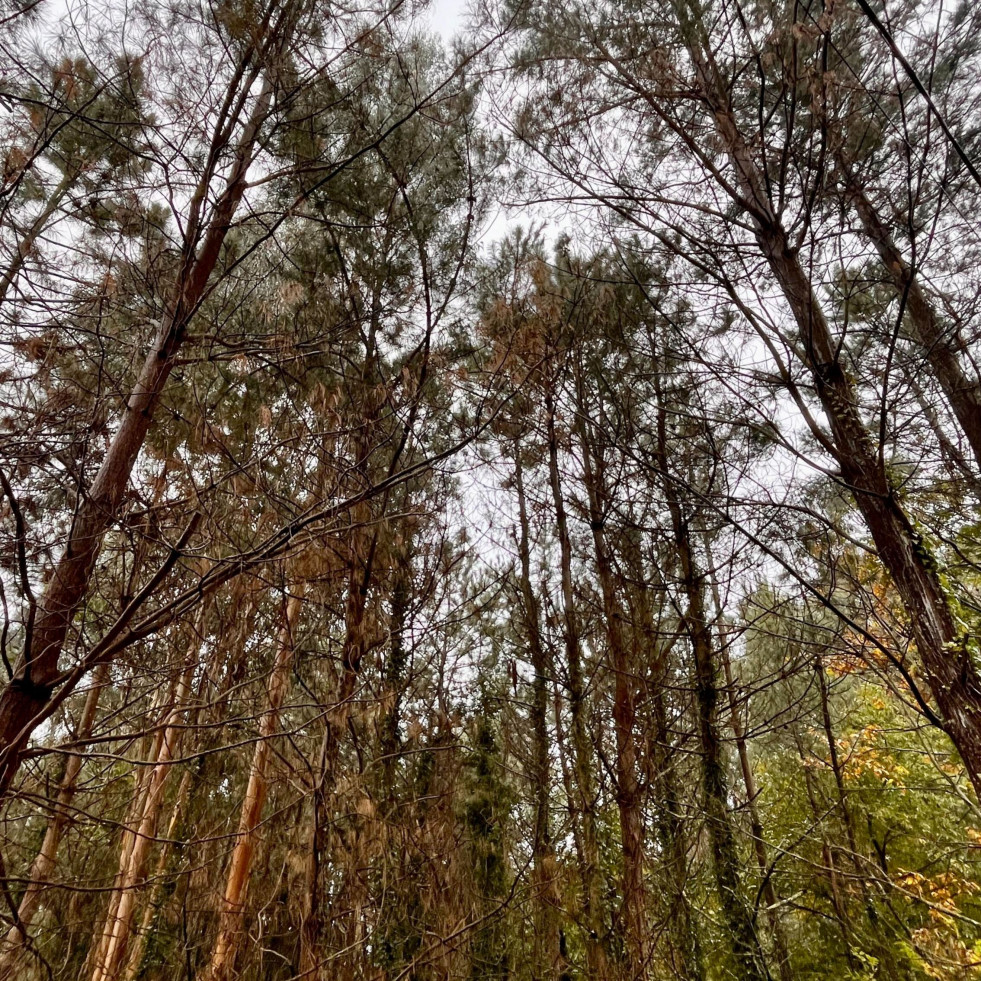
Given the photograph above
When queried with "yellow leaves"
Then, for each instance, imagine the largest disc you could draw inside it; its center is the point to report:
(946, 953)
(937, 948)
(862, 754)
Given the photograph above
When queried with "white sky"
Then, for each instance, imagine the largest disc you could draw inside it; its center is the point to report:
(446, 16)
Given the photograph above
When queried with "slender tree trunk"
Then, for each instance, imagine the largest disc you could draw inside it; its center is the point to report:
(663, 774)
(30, 236)
(939, 346)
(830, 862)
(745, 943)
(138, 947)
(222, 963)
(879, 931)
(391, 741)
(674, 840)
(547, 959)
(139, 837)
(583, 757)
(781, 950)
(360, 567)
(836, 768)
(625, 694)
(950, 452)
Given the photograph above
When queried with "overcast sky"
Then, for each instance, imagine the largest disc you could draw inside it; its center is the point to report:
(446, 16)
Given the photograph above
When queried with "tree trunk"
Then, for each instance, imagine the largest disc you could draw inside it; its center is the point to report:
(781, 951)
(138, 948)
(830, 869)
(547, 956)
(226, 945)
(725, 857)
(939, 346)
(745, 943)
(739, 921)
(360, 566)
(138, 838)
(24, 698)
(663, 773)
(583, 757)
(625, 692)
(953, 678)
(44, 864)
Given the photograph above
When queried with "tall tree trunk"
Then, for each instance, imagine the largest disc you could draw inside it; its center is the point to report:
(390, 739)
(830, 868)
(939, 346)
(583, 757)
(725, 857)
(547, 957)
(360, 568)
(663, 776)
(952, 675)
(745, 943)
(674, 840)
(625, 693)
(222, 963)
(781, 950)
(140, 835)
(879, 930)
(138, 948)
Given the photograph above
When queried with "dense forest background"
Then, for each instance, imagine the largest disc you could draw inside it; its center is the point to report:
(500, 509)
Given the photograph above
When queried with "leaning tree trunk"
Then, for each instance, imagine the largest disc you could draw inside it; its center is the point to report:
(963, 393)
(953, 677)
(25, 698)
